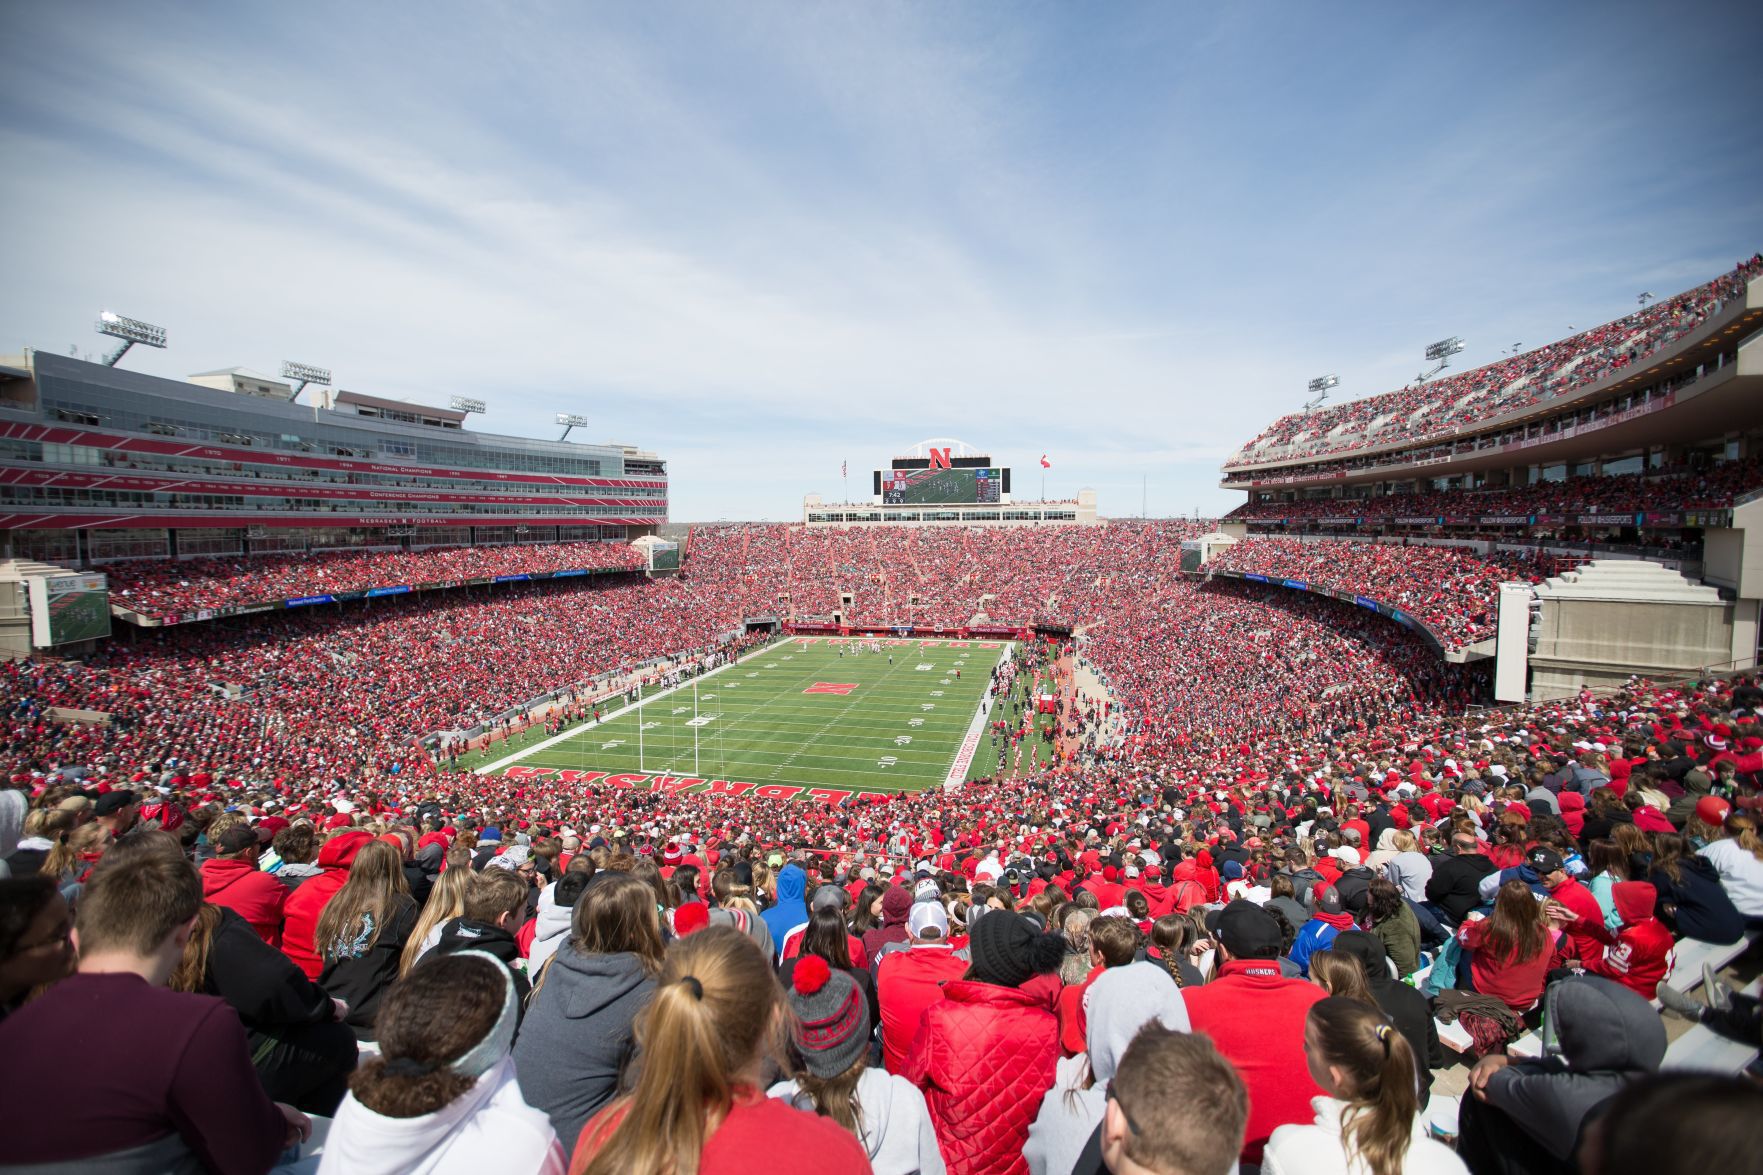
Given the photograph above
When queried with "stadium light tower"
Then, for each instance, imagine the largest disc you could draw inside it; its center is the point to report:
(467, 404)
(1643, 298)
(306, 375)
(1439, 355)
(130, 331)
(1319, 391)
(570, 420)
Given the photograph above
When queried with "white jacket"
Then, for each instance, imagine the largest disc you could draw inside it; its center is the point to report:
(488, 1128)
(897, 1130)
(1316, 1149)
(1741, 875)
(551, 927)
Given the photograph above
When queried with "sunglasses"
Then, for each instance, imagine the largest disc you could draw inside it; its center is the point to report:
(1108, 1092)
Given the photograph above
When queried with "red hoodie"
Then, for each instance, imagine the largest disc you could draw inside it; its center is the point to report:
(308, 902)
(1639, 956)
(240, 886)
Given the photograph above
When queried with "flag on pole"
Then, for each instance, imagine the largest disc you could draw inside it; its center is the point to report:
(1045, 464)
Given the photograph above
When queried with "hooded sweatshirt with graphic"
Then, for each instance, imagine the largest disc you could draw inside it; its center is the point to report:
(304, 905)
(1608, 1037)
(1121, 1001)
(577, 1035)
(1639, 955)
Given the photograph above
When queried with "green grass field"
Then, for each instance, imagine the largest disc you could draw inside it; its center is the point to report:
(764, 721)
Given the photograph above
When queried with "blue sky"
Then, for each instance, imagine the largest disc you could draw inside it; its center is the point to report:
(765, 238)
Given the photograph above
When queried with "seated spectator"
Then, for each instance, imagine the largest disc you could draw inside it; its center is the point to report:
(302, 1051)
(495, 906)
(825, 937)
(1163, 1068)
(1256, 1017)
(555, 914)
(1369, 1119)
(1122, 1000)
(36, 939)
(1510, 948)
(302, 910)
(1330, 919)
(987, 1053)
(441, 1097)
(1393, 922)
(1738, 857)
(176, 1090)
(1524, 1117)
(1692, 899)
(909, 981)
(885, 1112)
(362, 933)
(1114, 942)
(232, 879)
(1454, 887)
(692, 1106)
(446, 901)
(578, 1034)
(1401, 1003)
(1637, 956)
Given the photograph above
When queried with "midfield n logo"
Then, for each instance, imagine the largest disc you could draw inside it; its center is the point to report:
(939, 458)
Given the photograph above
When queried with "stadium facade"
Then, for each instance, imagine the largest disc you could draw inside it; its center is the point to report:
(99, 464)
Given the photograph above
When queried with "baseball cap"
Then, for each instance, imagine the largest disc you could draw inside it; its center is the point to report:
(928, 916)
(828, 897)
(1248, 931)
(1544, 860)
(112, 802)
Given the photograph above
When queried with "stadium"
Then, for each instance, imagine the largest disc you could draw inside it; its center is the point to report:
(601, 727)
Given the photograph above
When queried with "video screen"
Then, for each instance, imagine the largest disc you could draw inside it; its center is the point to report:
(937, 487)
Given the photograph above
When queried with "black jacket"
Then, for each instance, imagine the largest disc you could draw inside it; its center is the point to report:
(261, 984)
(360, 980)
(1406, 1008)
(1453, 886)
(464, 934)
(1697, 906)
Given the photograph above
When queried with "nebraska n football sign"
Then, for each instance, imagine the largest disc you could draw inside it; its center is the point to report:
(840, 688)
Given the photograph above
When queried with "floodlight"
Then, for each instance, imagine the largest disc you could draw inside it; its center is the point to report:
(1644, 297)
(130, 331)
(1324, 382)
(306, 374)
(1444, 349)
(467, 404)
(570, 420)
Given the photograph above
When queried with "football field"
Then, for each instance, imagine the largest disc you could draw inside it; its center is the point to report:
(808, 712)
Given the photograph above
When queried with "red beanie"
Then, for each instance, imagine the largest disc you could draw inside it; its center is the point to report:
(693, 916)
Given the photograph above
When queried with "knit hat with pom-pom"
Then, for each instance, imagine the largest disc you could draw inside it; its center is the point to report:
(832, 1017)
(1008, 950)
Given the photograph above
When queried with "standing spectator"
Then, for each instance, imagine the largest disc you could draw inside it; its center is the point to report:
(1256, 1017)
(441, 1097)
(789, 910)
(692, 1106)
(579, 1029)
(1114, 941)
(987, 1053)
(1369, 1121)
(36, 938)
(1160, 1069)
(825, 937)
(1524, 1117)
(885, 1112)
(909, 981)
(232, 879)
(304, 906)
(175, 1089)
(362, 933)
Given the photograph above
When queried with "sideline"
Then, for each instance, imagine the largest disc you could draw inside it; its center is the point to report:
(982, 713)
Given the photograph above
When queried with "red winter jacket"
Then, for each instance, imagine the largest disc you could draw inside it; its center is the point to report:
(252, 894)
(985, 1057)
(308, 902)
(1639, 956)
(1256, 1018)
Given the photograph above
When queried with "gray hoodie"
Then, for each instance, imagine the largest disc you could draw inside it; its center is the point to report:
(13, 806)
(1608, 1037)
(577, 1035)
(1121, 1001)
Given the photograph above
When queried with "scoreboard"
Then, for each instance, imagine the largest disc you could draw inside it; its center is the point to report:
(936, 487)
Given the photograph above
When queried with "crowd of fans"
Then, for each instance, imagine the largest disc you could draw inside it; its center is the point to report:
(157, 587)
(1444, 405)
(260, 904)
(1666, 493)
(1452, 591)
